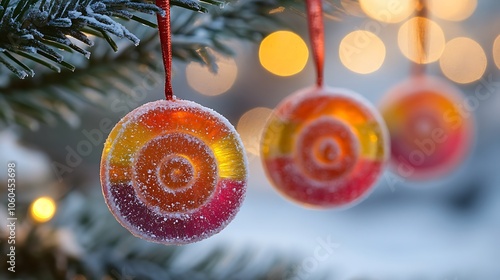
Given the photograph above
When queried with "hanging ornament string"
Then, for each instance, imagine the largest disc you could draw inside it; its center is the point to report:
(166, 46)
(420, 37)
(316, 34)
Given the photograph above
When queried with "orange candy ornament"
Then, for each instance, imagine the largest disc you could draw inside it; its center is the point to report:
(430, 132)
(324, 147)
(173, 172)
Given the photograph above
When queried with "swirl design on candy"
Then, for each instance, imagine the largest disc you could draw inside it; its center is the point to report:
(324, 147)
(430, 134)
(173, 172)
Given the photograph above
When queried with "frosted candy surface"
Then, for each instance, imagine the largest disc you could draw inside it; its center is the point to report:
(324, 147)
(173, 172)
(430, 133)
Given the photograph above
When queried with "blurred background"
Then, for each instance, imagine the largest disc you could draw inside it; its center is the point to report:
(447, 228)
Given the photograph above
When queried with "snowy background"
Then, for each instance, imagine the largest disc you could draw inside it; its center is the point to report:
(447, 229)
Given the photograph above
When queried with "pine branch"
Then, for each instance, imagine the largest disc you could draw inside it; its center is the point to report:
(53, 96)
(33, 28)
(40, 30)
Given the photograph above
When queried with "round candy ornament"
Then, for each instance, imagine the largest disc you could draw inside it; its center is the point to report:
(173, 172)
(430, 131)
(324, 147)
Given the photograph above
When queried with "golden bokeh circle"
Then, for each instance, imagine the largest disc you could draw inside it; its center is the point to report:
(463, 60)
(362, 52)
(283, 53)
(43, 209)
(496, 51)
(250, 126)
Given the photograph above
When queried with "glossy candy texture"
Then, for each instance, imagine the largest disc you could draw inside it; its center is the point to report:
(173, 172)
(324, 147)
(429, 127)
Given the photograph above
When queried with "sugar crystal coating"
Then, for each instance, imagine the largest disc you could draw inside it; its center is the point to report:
(173, 172)
(430, 133)
(324, 147)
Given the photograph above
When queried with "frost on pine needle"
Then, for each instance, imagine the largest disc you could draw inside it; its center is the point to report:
(33, 28)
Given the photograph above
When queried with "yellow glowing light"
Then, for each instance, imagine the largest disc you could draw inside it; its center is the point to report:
(208, 83)
(409, 41)
(283, 53)
(463, 60)
(43, 209)
(496, 51)
(362, 52)
(455, 10)
(390, 11)
(250, 128)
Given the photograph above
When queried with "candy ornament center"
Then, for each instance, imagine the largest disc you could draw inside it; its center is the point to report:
(176, 172)
(326, 150)
(422, 124)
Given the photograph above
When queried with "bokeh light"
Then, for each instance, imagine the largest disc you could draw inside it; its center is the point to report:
(496, 51)
(409, 42)
(455, 10)
(463, 60)
(390, 11)
(201, 79)
(283, 53)
(43, 209)
(362, 52)
(250, 128)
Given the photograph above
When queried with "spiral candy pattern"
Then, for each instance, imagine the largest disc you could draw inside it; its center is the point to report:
(430, 133)
(173, 172)
(324, 147)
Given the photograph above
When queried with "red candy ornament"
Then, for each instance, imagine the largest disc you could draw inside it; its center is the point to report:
(173, 171)
(430, 134)
(324, 147)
